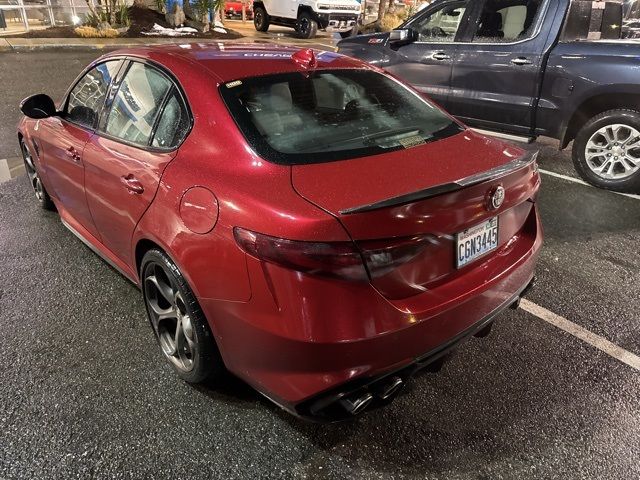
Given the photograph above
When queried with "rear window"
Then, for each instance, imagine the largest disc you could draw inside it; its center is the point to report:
(301, 118)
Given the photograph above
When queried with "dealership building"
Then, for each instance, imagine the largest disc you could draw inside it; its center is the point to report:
(19, 16)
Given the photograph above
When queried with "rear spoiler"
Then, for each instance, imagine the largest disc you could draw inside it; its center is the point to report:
(493, 174)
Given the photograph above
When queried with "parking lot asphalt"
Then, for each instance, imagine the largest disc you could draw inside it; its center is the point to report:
(84, 392)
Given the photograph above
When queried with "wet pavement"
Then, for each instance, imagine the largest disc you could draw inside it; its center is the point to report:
(84, 392)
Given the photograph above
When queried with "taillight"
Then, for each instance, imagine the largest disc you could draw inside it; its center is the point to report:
(384, 256)
(332, 259)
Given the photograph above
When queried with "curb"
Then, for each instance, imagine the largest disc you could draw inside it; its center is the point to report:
(5, 46)
(16, 44)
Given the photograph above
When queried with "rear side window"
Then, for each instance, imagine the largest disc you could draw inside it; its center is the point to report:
(174, 123)
(137, 104)
(87, 96)
(331, 115)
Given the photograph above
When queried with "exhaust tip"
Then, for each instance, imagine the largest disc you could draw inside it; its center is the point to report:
(356, 404)
(390, 388)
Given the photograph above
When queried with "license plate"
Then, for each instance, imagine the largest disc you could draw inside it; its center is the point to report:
(474, 242)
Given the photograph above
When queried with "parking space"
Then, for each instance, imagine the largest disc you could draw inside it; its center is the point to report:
(85, 392)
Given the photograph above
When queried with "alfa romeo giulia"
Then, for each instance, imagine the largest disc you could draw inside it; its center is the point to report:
(300, 218)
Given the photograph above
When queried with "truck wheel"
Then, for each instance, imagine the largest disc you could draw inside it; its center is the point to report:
(261, 19)
(350, 33)
(306, 26)
(606, 151)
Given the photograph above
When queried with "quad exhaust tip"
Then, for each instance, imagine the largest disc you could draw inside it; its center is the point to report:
(356, 404)
(390, 388)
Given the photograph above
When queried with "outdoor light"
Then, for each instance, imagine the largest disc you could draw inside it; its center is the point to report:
(75, 19)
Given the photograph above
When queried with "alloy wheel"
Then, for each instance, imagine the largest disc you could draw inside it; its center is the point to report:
(170, 317)
(32, 173)
(304, 26)
(613, 151)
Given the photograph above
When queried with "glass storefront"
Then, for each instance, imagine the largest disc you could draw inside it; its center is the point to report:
(18, 16)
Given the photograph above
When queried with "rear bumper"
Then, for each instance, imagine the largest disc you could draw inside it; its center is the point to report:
(320, 408)
(301, 344)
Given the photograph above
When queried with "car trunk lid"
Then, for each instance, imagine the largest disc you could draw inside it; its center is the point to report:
(405, 208)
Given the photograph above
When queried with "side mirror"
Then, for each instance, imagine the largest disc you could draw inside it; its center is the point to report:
(38, 106)
(402, 36)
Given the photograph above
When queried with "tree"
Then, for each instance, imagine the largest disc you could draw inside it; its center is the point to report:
(382, 9)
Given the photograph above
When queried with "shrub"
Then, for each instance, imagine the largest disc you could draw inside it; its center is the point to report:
(92, 32)
(390, 21)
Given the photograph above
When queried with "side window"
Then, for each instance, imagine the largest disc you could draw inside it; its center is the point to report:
(173, 124)
(137, 104)
(441, 25)
(87, 97)
(505, 21)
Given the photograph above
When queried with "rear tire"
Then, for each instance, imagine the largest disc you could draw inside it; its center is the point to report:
(306, 26)
(43, 198)
(606, 151)
(261, 19)
(178, 322)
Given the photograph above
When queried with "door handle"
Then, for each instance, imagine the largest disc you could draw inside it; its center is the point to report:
(132, 184)
(440, 56)
(73, 154)
(521, 61)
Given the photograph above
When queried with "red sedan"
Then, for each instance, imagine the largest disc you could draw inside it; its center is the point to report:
(234, 10)
(300, 218)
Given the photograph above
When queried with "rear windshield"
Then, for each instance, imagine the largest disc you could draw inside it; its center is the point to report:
(301, 118)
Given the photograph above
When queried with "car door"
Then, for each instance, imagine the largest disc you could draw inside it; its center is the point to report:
(276, 8)
(427, 63)
(63, 139)
(495, 77)
(145, 120)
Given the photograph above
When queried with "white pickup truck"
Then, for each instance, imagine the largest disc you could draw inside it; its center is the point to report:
(307, 16)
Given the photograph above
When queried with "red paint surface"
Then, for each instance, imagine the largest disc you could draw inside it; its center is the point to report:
(199, 210)
(289, 334)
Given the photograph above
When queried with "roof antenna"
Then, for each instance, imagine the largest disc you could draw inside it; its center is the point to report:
(305, 59)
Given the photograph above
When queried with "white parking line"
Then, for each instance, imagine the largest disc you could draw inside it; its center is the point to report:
(583, 334)
(5, 173)
(577, 180)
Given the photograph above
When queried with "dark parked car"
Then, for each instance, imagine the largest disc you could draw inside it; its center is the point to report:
(527, 67)
(227, 182)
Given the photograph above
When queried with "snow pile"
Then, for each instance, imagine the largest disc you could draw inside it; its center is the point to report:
(158, 30)
(218, 26)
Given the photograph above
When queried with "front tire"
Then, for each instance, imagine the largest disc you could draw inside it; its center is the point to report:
(306, 26)
(606, 151)
(43, 198)
(180, 326)
(261, 19)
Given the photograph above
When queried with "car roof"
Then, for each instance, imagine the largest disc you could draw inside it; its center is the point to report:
(231, 61)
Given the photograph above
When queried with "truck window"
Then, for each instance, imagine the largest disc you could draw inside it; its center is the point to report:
(441, 25)
(596, 21)
(508, 21)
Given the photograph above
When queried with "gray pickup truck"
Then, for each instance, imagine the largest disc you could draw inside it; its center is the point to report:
(557, 68)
